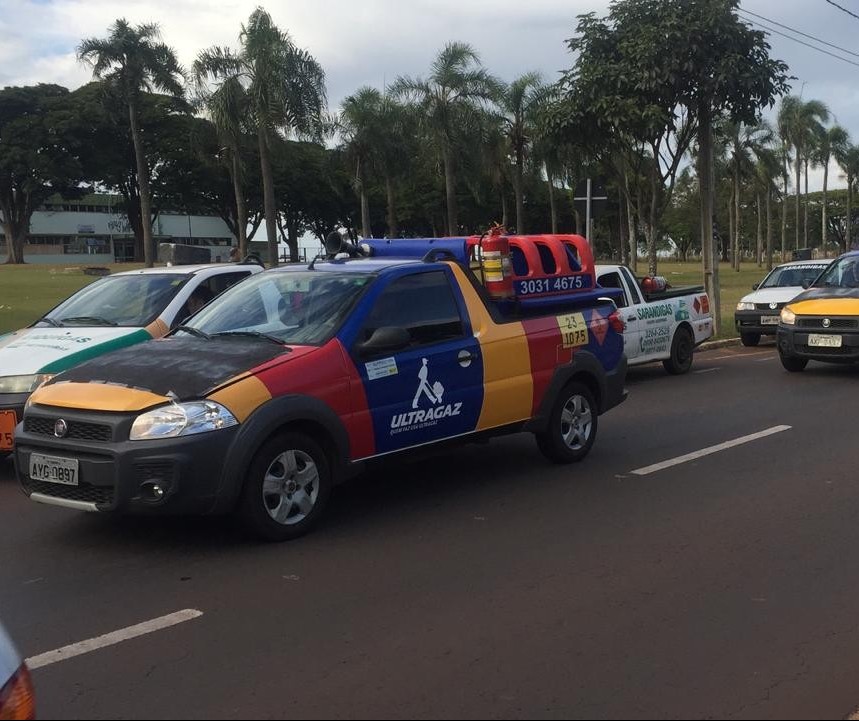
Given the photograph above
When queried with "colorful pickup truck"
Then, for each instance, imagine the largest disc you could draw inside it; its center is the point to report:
(115, 312)
(289, 382)
(664, 325)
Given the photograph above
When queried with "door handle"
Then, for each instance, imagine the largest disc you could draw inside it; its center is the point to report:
(466, 358)
(631, 319)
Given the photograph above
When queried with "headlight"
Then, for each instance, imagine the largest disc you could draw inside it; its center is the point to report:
(181, 419)
(745, 306)
(788, 317)
(22, 384)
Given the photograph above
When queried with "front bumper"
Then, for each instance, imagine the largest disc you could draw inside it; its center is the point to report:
(749, 321)
(118, 475)
(14, 402)
(793, 342)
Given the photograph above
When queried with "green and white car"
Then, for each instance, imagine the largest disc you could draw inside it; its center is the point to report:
(115, 312)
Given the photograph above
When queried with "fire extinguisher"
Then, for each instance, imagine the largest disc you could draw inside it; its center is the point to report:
(496, 264)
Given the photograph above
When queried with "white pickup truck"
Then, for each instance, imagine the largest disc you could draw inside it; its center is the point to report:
(665, 326)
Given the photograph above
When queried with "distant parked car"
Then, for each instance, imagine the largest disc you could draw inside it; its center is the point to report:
(16, 690)
(759, 312)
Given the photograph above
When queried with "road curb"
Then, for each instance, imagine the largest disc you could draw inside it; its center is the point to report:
(716, 344)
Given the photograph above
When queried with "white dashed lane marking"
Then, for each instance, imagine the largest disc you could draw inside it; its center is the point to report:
(112, 639)
(709, 451)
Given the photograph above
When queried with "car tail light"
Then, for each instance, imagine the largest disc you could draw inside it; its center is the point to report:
(17, 702)
(617, 322)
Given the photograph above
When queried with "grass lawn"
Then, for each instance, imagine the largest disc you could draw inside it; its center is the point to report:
(28, 291)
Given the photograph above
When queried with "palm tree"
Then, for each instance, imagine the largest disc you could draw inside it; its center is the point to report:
(833, 143)
(286, 89)
(132, 60)
(848, 160)
(454, 90)
(228, 107)
(767, 169)
(798, 123)
(360, 125)
(520, 103)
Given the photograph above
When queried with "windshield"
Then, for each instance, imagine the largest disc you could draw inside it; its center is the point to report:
(793, 276)
(299, 308)
(122, 300)
(844, 273)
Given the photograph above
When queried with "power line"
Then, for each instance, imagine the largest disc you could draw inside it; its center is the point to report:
(799, 32)
(845, 10)
(802, 42)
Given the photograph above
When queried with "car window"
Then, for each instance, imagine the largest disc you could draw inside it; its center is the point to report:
(423, 304)
(299, 307)
(123, 300)
(633, 286)
(612, 280)
(792, 276)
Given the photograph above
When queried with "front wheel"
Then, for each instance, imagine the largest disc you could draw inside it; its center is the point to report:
(682, 349)
(792, 363)
(750, 340)
(286, 489)
(572, 426)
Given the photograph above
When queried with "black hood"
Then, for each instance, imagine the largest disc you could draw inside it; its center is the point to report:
(185, 367)
(822, 292)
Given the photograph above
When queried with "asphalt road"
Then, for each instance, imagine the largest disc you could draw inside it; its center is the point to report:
(483, 582)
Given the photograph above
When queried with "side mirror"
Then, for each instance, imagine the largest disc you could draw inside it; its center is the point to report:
(756, 286)
(806, 284)
(388, 339)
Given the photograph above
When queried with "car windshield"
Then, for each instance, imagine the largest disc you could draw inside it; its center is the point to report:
(298, 307)
(844, 273)
(121, 300)
(793, 276)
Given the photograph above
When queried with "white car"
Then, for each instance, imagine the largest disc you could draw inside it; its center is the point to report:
(759, 312)
(16, 690)
(115, 312)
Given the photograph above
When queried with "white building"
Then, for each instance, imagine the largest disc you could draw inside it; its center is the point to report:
(95, 230)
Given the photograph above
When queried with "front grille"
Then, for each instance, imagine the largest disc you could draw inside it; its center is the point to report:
(766, 306)
(817, 323)
(83, 493)
(78, 430)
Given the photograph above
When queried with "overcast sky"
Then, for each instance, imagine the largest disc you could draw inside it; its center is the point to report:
(373, 41)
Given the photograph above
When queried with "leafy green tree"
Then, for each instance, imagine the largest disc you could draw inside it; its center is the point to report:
(132, 60)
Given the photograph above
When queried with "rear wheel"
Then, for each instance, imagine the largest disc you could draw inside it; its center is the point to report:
(572, 426)
(287, 488)
(792, 363)
(750, 340)
(682, 349)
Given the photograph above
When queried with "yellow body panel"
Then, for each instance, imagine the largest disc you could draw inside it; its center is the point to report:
(96, 397)
(243, 397)
(508, 386)
(826, 306)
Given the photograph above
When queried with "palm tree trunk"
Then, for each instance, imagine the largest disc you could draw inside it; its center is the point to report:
(241, 207)
(450, 191)
(366, 230)
(652, 222)
(824, 231)
(760, 250)
(505, 216)
(798, 191)
(709, 251)
(392, 208)
(553, 203)
(633, 237)
(624, 232)
(143, 185)
(848, 239)
(731, 225)
(769, 230)
(805, 203)
(268, 195)
(737, 218)
(784, 219)
(520, 195)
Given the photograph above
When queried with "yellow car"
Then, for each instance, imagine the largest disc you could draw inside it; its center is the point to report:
(822, 323)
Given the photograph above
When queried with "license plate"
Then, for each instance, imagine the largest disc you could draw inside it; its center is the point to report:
(825, 341)
(769, 320)
(54, 470)
(8, 421)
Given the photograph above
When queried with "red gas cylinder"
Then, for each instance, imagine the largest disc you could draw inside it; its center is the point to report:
(496, 264)
(654, 284)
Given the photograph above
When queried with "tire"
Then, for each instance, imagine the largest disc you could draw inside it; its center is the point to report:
(793, 364)
(682, 350)
(279, 503)
(573, 426)
(750, 340)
